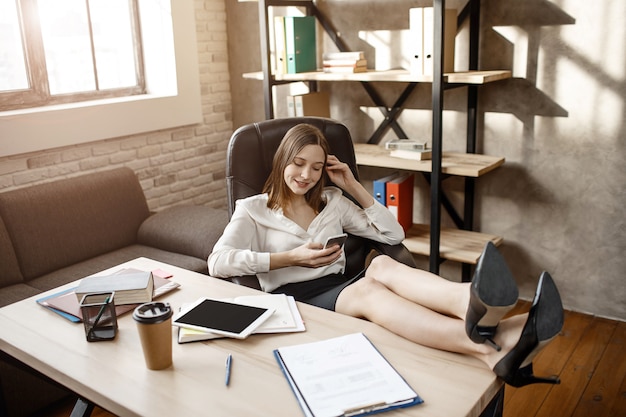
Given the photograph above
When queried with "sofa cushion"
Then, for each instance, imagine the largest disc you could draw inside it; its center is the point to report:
(192, 230)
(10, 273)
(61, 223)
(16, 292)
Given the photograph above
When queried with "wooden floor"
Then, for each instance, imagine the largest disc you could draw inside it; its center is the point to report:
(589, 356)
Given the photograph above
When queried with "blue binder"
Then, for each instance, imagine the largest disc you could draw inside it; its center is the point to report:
(380, 188)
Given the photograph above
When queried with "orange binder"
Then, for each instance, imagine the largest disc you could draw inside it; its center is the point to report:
(400, 199)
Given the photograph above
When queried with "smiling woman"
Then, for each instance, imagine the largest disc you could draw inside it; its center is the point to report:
(156, 86)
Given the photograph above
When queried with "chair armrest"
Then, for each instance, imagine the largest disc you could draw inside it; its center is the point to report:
(398, 252)
(188, 230)
(247, 280)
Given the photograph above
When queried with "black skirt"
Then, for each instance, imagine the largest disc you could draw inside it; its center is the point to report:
(321, 292)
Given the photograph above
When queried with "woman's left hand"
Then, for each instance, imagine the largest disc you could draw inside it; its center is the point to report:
(339, 172)
(341, 175)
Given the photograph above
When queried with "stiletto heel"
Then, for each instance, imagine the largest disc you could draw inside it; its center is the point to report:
(545, 321)
(493, 293)
(524, 376)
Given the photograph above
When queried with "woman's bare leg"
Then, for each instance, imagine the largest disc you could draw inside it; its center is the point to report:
(368, 298)
(421, 287)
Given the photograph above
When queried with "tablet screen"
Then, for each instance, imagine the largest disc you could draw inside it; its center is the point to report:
(222, 317)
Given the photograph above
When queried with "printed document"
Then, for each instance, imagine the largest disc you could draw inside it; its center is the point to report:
(343, 376)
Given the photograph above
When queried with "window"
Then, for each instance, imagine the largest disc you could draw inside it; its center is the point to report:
(61, 51)
(171, 99)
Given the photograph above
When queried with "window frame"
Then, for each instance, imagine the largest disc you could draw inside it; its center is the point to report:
(172, 98)
(38, 92)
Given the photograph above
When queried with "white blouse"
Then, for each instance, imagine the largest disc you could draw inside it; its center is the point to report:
(255, 231)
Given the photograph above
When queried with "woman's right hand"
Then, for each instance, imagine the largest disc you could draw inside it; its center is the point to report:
(309, 255)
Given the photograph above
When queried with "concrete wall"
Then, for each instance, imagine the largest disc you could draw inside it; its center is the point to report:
(558, 201)
(182, 165)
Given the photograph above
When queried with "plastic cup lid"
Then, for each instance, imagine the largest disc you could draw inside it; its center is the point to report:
(152, 313)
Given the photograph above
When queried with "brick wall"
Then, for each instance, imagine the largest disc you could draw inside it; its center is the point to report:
(183, 165)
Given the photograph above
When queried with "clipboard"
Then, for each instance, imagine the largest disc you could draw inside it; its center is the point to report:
(344, 376)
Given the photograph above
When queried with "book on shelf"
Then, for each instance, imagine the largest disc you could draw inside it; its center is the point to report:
(343, 376)
(413, 154)
(286, 317)
(66, 303)
(400, 199)
(344, 70)
(130, 288)
(280, 49)
(300, 44)
(379, 186)
(421, 30)
(356, 55)
(408, 144)
(316, 103)
(345, 62)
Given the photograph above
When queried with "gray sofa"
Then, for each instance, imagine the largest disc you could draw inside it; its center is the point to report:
(55, 233)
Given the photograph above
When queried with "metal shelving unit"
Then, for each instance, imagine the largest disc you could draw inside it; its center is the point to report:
(436, 172)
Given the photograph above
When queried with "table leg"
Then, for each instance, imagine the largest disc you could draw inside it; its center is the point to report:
(82, 408)
(496, 406)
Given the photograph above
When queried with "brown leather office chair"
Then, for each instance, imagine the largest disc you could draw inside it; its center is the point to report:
(249, 161)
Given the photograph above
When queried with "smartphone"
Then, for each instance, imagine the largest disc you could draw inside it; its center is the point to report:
(336, 240)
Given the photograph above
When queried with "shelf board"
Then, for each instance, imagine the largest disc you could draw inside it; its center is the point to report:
(455, 244)
(395, 75)
(452, 163)
(477, 77)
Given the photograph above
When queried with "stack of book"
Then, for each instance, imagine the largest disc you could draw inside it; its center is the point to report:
(66, 303)
(130, 288)
(409, 149)
(344, 62)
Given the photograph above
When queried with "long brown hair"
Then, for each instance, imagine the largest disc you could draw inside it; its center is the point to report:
(292, 143)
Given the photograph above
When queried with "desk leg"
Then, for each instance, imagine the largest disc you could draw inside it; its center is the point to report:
(82, 408)
(3, 403)
(496, 406)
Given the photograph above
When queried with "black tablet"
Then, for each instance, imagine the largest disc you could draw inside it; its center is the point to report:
(222, 317)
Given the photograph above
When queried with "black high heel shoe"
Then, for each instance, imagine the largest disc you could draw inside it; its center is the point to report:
(545, 321)
(493, 293)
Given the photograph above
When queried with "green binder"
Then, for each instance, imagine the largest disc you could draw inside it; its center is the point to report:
(300, 44)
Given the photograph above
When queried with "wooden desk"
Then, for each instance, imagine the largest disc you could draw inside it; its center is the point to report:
(113, 374)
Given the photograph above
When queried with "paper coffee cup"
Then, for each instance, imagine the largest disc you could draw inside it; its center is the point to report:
(154, 323)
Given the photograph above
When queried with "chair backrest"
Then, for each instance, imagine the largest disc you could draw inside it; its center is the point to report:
(249, 162)
(252, 148)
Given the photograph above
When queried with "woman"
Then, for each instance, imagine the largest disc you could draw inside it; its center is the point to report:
(278, 237)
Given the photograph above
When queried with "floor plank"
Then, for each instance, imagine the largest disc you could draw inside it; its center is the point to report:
(564, 398)
(552, 360)
(603, 391)
(619, 407)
